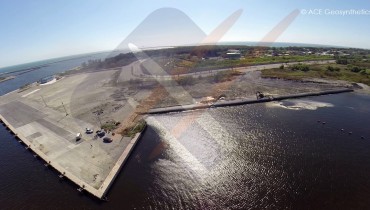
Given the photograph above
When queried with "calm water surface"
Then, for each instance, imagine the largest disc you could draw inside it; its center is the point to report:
(258, 156)
(48, 68)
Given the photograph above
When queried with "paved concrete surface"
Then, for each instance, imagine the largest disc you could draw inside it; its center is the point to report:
(89, 162)
(19, 114)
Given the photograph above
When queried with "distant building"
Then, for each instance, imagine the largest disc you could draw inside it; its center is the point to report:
(233, 54)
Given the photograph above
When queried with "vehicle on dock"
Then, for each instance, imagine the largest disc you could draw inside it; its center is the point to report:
(107, 139)
(78, 136)
(89, 130)
(100, 133)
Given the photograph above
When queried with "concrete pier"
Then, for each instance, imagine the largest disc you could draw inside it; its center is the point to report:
(47, 118)
(241, 102)
(120, 162)
(71, 169)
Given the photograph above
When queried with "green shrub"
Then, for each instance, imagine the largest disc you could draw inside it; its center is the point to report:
(330, 68)
(132, 131)
(110, 125)
(300, 67)
(355, 69)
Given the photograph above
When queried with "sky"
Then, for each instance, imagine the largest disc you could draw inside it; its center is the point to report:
(43, 29)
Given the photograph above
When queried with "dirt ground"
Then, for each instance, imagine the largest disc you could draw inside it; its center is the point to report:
(118, 94)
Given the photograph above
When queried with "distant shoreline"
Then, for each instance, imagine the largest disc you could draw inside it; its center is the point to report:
(3, 79)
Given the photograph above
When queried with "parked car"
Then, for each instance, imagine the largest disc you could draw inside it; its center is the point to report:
(107, 139)
(89, 130)
(100, 133)
(78, 136)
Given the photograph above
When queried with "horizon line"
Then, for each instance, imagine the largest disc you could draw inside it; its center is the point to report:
(294, 44)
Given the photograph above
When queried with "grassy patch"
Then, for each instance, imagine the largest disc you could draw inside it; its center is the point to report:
(133, 130)
(204, 65)
(326, 71)
(224, 76)
(110, 125)
(71, 71)
(185, 80)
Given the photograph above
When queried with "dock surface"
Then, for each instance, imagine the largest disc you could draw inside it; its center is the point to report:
(89, 163)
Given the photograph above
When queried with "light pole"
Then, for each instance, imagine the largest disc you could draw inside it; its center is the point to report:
(43, 100)
(65, 109)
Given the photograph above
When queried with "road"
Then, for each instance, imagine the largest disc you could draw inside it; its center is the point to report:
(134, 71)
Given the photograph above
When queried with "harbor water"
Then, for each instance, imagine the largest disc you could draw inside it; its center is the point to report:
(311, 153)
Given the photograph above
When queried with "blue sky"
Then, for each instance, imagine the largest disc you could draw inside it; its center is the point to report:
(41, 29)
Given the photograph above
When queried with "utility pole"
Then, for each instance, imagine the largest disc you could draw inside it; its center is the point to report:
(65, 109)
(44, 101)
